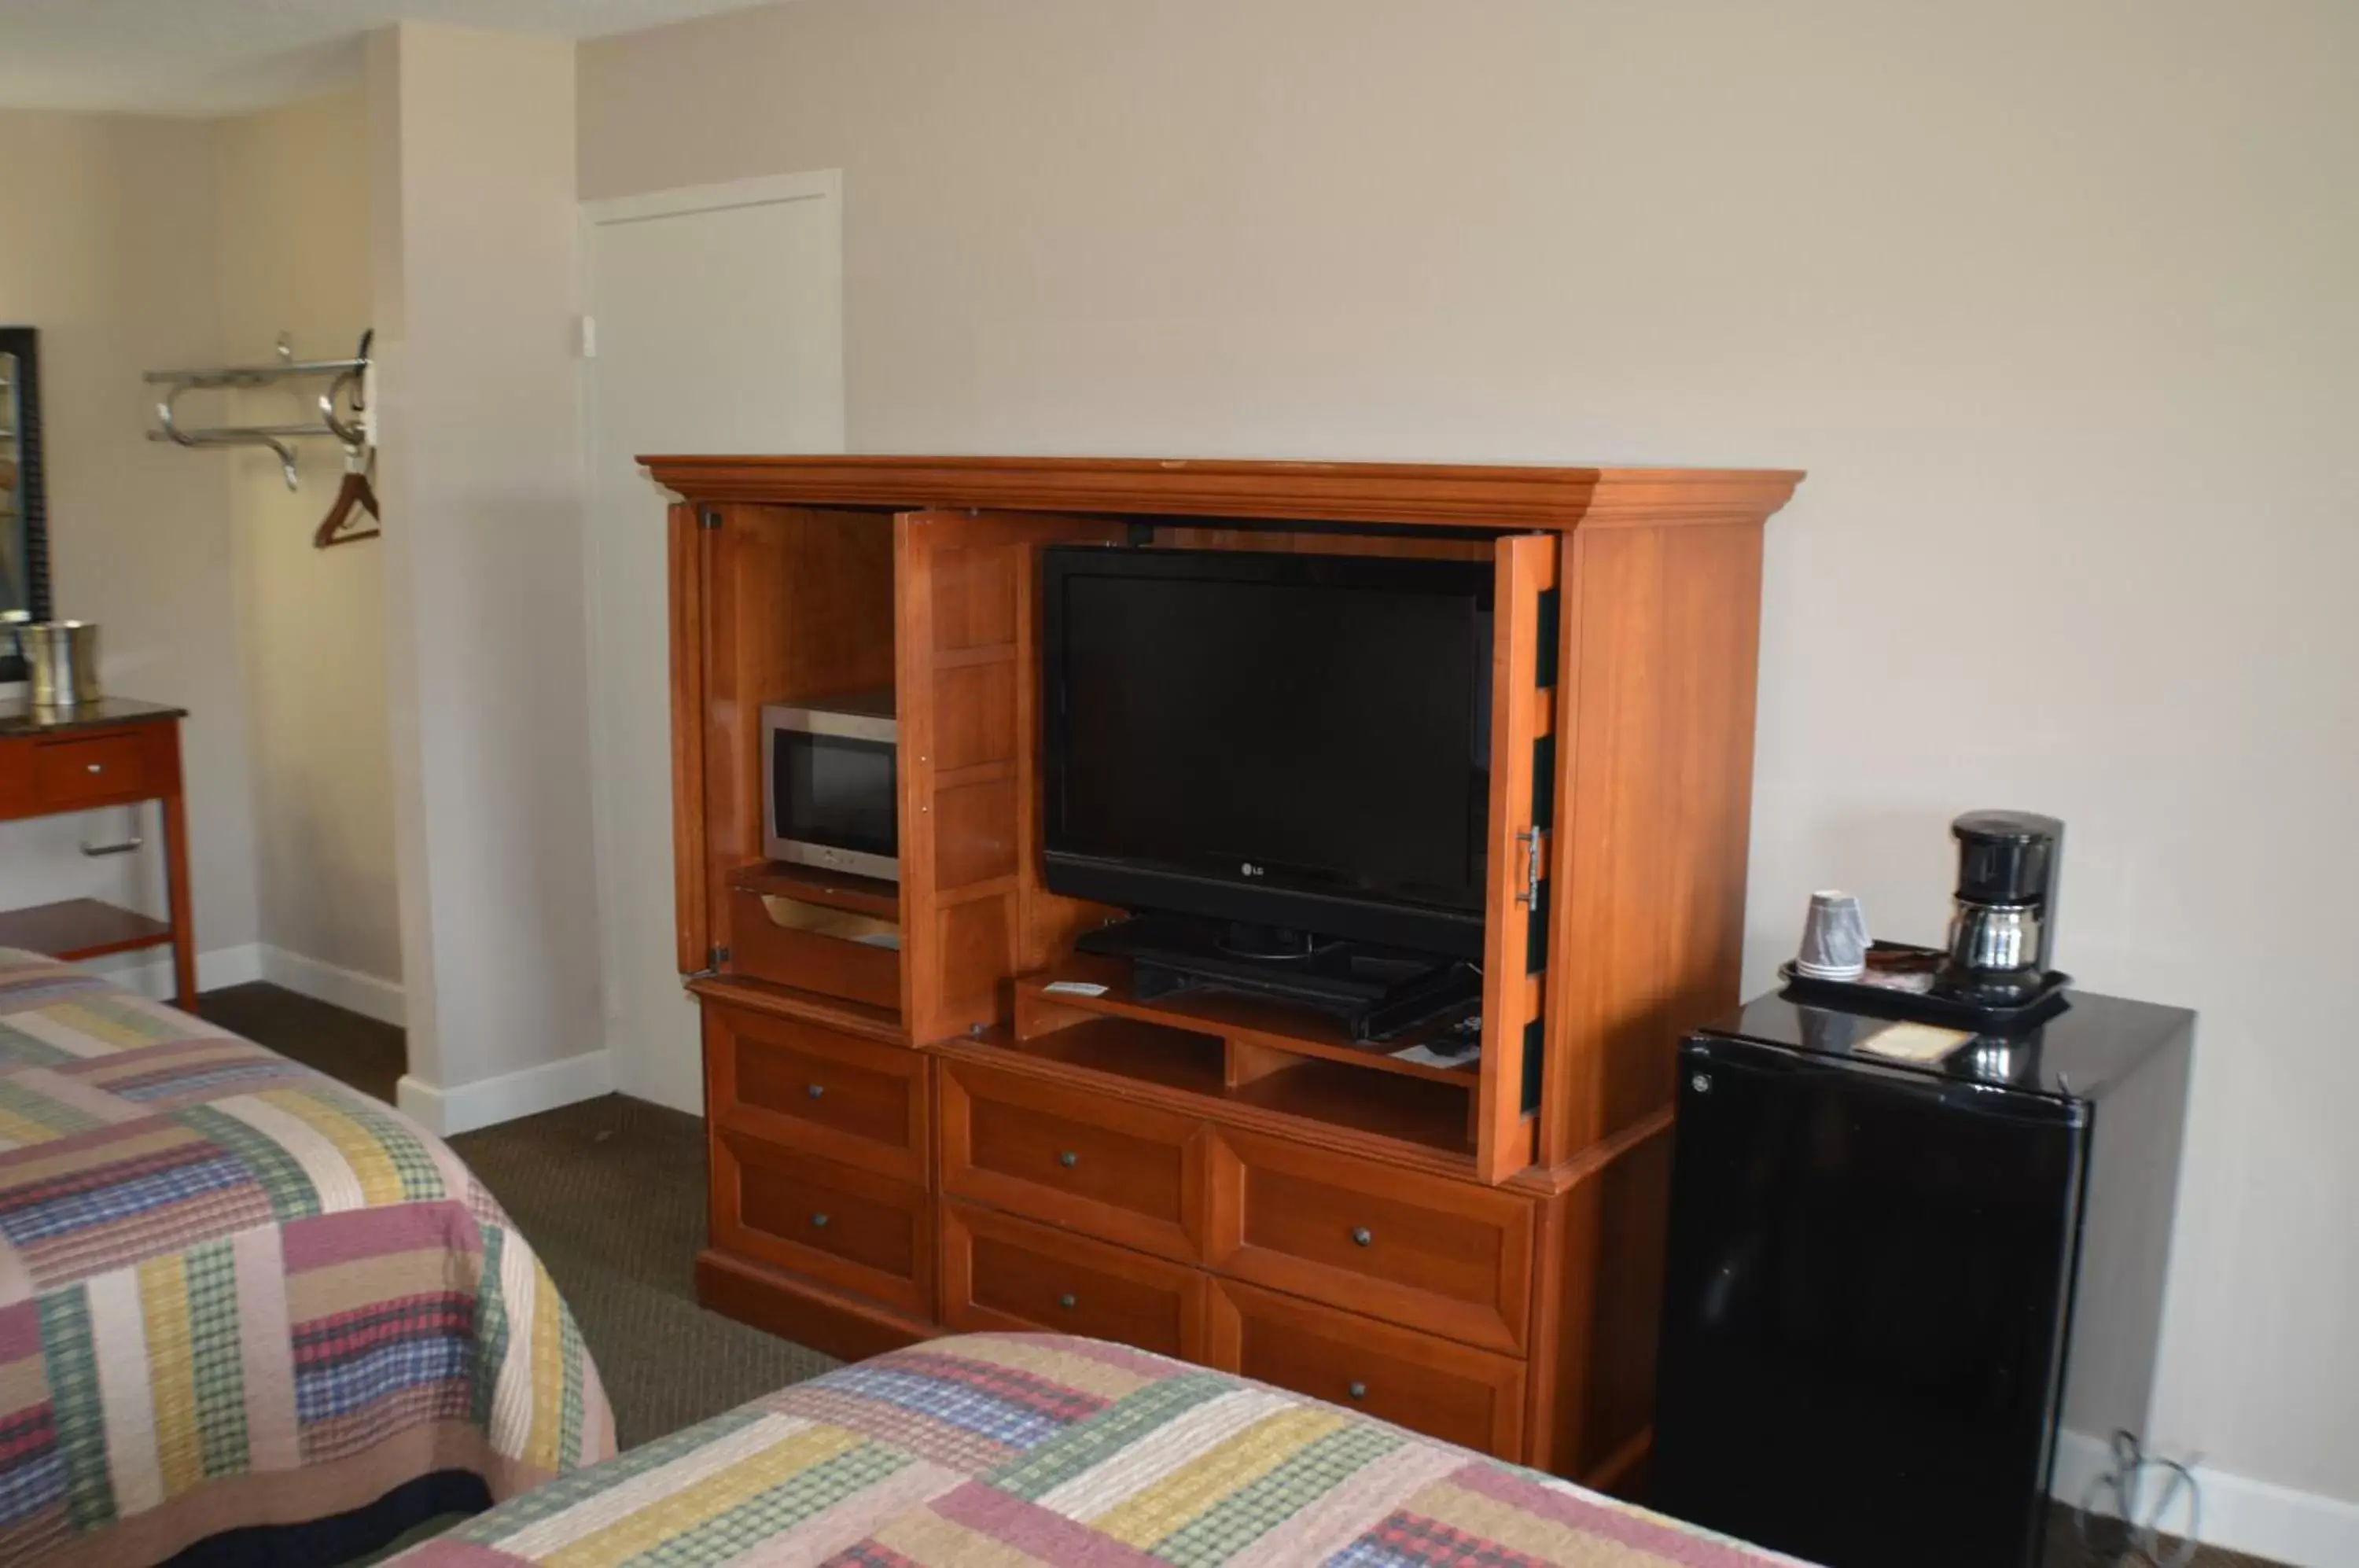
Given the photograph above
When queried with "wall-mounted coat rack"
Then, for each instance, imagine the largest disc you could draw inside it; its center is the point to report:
(343, 406)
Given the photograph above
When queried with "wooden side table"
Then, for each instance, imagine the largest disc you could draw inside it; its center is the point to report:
(113, 752)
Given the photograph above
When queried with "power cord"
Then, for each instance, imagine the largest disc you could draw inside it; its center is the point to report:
(2141, 1522)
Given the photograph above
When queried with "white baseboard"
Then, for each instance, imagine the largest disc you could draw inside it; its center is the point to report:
(150, 973)
(2302, 1530)
(463, 1108)
(346, 988)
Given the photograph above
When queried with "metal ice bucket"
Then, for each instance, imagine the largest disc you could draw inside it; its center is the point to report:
(63, 660)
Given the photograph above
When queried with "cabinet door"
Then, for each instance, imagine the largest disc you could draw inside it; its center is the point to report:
(1522, 767)
(693, 914)
(966, 688)
(769, 604)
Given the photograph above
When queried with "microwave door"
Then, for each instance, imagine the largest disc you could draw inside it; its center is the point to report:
(833, 802)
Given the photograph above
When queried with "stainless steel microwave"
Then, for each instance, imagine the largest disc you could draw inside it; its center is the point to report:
(831, 789)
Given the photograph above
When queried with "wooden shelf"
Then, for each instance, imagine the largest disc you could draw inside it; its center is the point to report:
(81, 927)
(831, 889)
(1135, 1054)
(1393, 1107)
(1203, 1050)
(1253, 1020)
(1126, 1047)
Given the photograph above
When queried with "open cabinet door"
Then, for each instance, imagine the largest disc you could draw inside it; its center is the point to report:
(1514, 919)
(688, 560)
(966, 685)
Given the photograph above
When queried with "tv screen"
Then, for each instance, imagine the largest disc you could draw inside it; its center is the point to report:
(1290, 740)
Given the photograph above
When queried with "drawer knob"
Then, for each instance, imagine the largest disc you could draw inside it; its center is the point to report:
(1068, 1159)
(816, 1090)
(95, 768)
(1357, 1390)
(1066, 1301)
(818, 1222)
(1362, 1237)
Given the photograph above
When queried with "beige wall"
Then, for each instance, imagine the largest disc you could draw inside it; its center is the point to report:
(106, 246)
(292, 222)
(2055, 302)
(470, 161)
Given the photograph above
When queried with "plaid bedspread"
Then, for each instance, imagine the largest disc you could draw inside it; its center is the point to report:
(1003, 1449)
(235, 1292)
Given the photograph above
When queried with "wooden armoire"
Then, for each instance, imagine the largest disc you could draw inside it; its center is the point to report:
(919, 1137)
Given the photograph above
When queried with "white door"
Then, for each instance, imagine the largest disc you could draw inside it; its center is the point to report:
(716, 326)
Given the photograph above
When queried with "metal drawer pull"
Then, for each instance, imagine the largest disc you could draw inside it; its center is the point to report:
(816, 1090)
(1357, 1390)
(121, 846)
(1068, 1301)
(1068, 1159)
(1362, 1237)
(818, 1222)
(95, 768)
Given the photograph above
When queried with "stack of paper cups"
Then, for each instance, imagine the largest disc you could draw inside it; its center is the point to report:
(1834, 938)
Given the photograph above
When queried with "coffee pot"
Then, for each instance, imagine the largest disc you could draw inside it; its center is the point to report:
(2003, 919)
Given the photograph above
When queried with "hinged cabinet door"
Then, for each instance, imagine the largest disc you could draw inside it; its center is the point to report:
(769, 604)
(966, 685)
(1514, 920)
(689, 550)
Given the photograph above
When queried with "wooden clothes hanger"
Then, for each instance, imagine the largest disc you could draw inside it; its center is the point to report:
(355, 492)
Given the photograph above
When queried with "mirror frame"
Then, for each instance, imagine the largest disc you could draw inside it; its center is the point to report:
(25, 343)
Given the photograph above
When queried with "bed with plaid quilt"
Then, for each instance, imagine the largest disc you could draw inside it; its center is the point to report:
(1003, 1449)
(235, 1294)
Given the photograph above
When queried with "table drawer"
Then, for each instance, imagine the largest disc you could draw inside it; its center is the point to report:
(846, 1227)
(1428, 1385)
(1087, 1161)
(1452, 1258)
(91, 770)
(1000, 1272)
(814, 1089)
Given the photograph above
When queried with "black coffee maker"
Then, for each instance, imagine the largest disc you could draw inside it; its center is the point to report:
(2003, 921)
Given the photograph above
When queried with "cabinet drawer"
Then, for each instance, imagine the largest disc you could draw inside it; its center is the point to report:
(789, 942)
(1428, 1385)
(91, 772)
(1453, 1257)
(1087, 1161)
(811, 1088)
(1000, 1272)
(853, 1229)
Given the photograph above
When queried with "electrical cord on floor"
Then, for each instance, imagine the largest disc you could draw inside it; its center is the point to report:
(2141, 1521)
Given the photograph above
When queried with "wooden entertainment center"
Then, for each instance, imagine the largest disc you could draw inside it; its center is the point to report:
(926, 1138)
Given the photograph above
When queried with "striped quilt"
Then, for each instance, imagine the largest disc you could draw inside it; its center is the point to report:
(234, 1293)
(1003, 1450)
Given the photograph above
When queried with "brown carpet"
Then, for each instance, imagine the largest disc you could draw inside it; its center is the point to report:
(368, 1055)
(611, 1193)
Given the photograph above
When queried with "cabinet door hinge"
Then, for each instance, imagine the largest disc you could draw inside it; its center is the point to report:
(1532, 839)
(717, 958)
(708, 517)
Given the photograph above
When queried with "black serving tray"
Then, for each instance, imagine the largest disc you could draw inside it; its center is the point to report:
(1925, 1007)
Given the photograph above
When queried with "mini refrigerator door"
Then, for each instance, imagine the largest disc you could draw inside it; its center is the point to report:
(1867, 1286)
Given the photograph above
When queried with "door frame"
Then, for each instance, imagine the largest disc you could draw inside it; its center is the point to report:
(824, 187)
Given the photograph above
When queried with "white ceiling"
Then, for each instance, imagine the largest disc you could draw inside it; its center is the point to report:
(212, 57)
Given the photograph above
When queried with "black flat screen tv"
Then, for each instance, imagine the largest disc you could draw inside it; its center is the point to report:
(1290, 741)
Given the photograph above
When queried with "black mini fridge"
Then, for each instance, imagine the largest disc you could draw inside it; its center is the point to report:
(1888, 1286)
